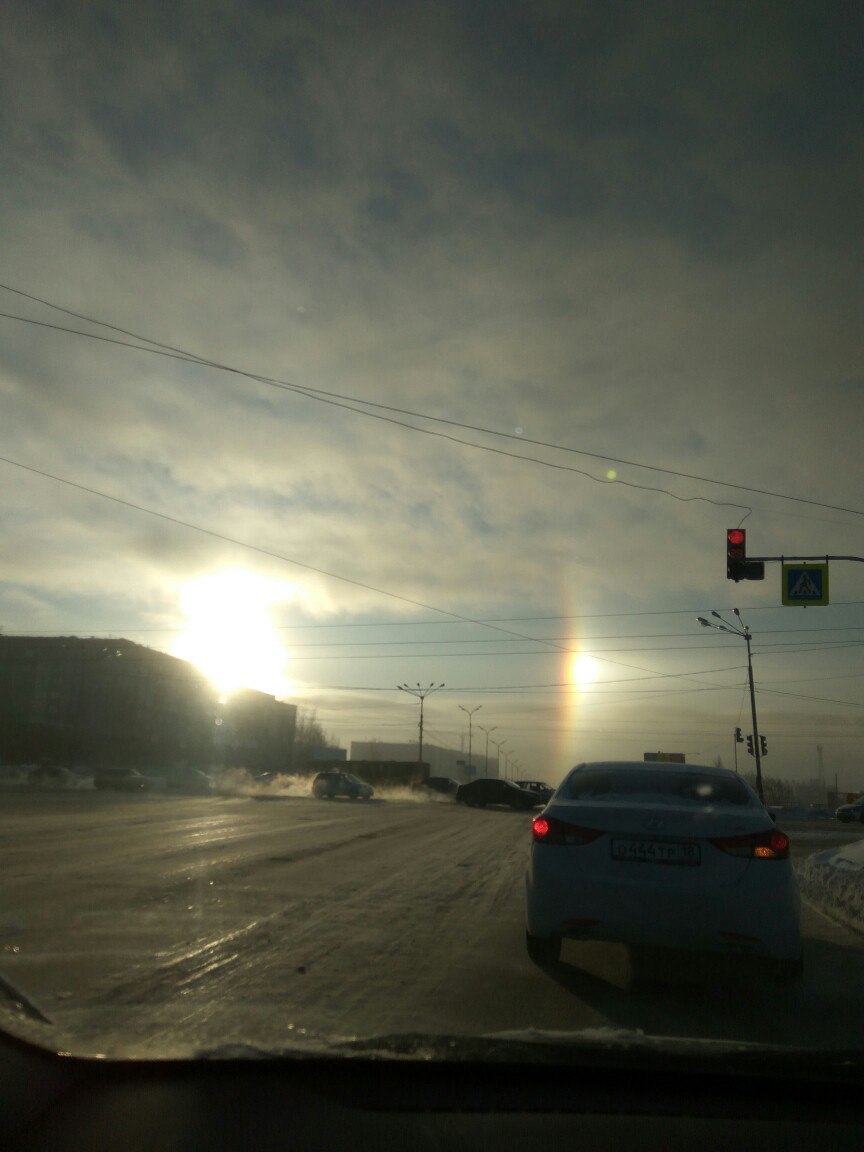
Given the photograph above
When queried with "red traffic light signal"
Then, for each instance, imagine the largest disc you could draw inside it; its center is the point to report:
(736, 553)
(738, 567)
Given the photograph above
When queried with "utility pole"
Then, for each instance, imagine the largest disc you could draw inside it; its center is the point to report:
(744, 633)
(421, 694)
(469, 712)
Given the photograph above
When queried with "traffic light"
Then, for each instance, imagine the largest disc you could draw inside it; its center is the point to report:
(763, 745)
(750, 746)
(739, 739)
(738, 567)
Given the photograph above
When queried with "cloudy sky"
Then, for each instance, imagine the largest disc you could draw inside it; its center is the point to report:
(462, 331)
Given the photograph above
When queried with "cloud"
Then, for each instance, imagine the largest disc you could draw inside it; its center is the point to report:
(632, 231)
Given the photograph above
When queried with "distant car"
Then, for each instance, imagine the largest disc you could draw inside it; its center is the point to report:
(489, 790)
(329, 785)
(661, 856)
(849, 812)
(122, 780)
(540, 788)
(189, 780)
(441, 784)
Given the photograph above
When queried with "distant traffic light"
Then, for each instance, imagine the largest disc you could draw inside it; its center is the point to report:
(738, 567)
(739, 739)
(763, 745)
(750, 746)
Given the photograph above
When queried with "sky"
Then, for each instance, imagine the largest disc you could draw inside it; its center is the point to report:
(348, 345)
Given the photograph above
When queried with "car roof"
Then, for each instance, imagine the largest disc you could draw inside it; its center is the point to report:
(653, 765)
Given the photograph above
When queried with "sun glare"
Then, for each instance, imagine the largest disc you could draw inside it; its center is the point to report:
(584, 671)
(229, 634)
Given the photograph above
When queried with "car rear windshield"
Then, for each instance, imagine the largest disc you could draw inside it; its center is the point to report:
(652, 783)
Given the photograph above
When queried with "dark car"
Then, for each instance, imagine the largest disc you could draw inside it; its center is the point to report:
(328, 785)
(488, 790)
(847, 813)
(122, 780)
(544, 792)
(441, 784)
(189, 780)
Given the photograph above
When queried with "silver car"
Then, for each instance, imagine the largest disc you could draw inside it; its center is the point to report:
(662, 856)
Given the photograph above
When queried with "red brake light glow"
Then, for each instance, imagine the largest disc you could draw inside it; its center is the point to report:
(548, 830)
(770, 845)
(540, 829)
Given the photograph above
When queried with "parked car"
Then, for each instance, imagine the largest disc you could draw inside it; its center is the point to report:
(849, 812)
(122, 780)
(542, 790)
(671, 856)
(332, 783)
(489, 790)
(441, 784)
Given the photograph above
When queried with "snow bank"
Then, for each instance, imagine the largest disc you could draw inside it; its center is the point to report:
(834, 880)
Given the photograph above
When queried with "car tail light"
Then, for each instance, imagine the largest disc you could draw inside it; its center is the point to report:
(548, 830)
(770, 845)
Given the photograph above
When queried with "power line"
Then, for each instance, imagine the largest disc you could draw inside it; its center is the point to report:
(341, 400)
(273, 555)
(348, 404)
(124, 629)
(320, 571)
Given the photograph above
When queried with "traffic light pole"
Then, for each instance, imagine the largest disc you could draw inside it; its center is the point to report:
(744, 633)
(756, 740)
(823, 559)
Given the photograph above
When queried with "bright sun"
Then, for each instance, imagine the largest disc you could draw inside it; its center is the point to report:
(584, 671)
(229, 634)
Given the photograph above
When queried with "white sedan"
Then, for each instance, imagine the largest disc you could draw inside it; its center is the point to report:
(661, 856)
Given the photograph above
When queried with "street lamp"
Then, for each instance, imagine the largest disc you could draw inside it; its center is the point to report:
(487, 731)
(469, 712)
(421, 694)
(499, 744)
(744, 633)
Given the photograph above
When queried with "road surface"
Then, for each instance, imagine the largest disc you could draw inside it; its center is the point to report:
(163, 925)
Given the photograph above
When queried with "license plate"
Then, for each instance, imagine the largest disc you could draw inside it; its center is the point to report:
(656, 852)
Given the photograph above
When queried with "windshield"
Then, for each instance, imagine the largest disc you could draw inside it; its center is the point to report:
(464, 391)
(609, 783)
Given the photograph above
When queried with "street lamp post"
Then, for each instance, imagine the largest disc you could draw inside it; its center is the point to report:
(469, 712)
(421, 694)
(499, 744)
(744, 633)
(486, 761)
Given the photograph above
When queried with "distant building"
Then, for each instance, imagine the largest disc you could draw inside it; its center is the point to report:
(254, 730)
(399, 773)
(88, 702)
(441, 761)
(334, 755)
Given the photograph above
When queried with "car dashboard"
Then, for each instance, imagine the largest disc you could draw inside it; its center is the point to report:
(237, 1099)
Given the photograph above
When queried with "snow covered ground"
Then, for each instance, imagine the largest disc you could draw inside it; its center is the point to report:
(834, 881)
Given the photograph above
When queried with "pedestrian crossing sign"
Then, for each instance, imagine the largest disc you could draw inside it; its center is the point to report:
(805, 584)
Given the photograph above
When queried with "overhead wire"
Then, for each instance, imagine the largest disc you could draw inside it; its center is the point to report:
(341, 400)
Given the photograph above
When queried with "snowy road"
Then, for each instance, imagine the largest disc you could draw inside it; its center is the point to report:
(161, 925)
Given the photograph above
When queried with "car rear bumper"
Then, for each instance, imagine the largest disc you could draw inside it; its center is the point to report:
(763, 918)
